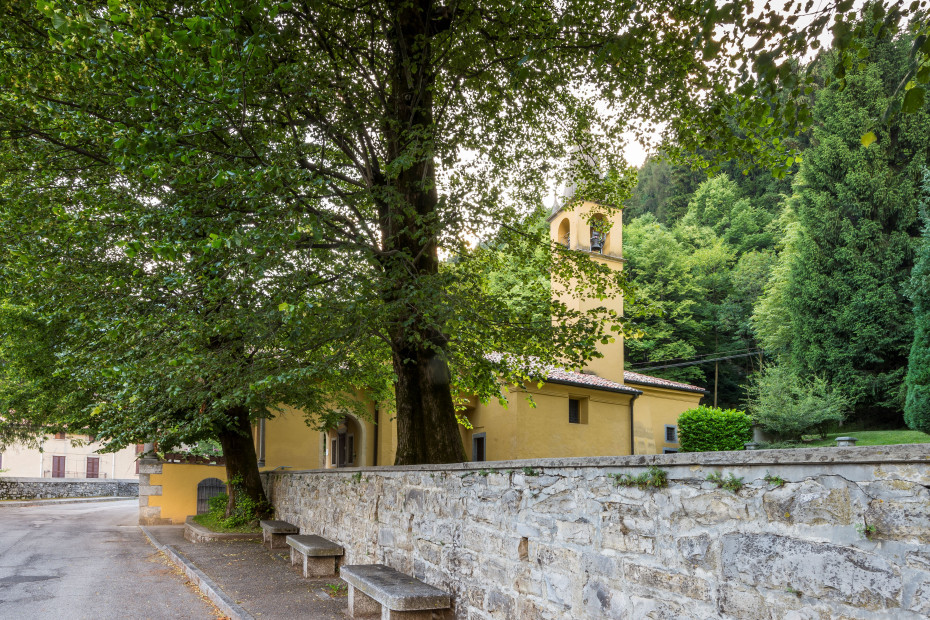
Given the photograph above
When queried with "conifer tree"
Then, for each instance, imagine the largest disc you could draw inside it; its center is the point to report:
(917, 404)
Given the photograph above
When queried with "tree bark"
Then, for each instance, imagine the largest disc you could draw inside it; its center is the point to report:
(427, 430)
(241, 462)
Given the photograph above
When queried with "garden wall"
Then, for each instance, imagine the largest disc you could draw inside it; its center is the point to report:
(54, 488)
(846, 535)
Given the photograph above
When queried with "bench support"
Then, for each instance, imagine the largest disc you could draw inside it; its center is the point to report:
(275, 541)
(323, 566)
(362, 606)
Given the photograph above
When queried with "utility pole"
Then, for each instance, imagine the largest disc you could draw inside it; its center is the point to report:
(716, 369)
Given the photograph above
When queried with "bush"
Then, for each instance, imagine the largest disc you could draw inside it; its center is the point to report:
(708, 429)
(790, 406)
(217, 504)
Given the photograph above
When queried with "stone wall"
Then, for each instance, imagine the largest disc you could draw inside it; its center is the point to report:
(846, 535)
(54, 488)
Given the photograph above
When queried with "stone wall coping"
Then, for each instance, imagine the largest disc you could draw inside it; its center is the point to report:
(864, 455)
(59, 480)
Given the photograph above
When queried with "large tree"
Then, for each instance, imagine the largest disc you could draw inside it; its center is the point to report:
(234, 203)
(857, 208)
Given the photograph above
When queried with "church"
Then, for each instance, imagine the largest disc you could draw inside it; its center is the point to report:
(601, 411)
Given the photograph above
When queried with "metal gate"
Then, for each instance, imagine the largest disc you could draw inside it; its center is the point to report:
(207, 489)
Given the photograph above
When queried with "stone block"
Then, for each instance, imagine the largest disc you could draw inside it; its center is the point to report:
(822, 570)
(149, 489)
(826, 501)
(901, 520)
(686, 585)
(740, 603)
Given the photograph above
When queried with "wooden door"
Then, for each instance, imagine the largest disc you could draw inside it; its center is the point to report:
(342, 450)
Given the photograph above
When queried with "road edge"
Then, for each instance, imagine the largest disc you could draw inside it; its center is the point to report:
(212, 591)
(26, 503)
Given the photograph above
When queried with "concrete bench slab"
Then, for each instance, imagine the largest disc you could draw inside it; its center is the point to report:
(376, 589)
(274, 532)
(318, 554)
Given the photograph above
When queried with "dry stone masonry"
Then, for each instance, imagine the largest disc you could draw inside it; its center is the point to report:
(833, 533)
(57, 488)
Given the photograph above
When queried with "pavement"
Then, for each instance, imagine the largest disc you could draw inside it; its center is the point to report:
(88, 560)
(260, 581)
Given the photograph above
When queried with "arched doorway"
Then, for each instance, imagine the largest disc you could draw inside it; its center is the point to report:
(207, 490)
(344, 444)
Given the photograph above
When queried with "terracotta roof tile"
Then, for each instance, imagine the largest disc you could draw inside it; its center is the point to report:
(635, 377)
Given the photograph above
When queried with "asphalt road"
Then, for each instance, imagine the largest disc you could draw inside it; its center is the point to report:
(87, 561)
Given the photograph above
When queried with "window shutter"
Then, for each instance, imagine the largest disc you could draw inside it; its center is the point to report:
(58, 467)
(333, 452)
(59, 435)
(350, 449)
(93, 467)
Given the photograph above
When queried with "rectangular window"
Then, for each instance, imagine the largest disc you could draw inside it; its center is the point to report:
(58, 467)
(137, 466)
(333, 452)
(139, 448)
(669, 450)
(93, 467)
(59, 435)
(574, 411)
(671, 434)
(350, 449)
(478, 447)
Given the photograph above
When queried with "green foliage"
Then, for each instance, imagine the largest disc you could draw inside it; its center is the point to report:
(653, 478)
(790, 406)
(706, 429)
(866, 530)
(777, 481)
(529, 471)
(217, 504)
(841, 314)
(730, 483)
(917, 403)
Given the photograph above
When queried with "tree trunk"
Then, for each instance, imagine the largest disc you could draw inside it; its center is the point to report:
(241, 462)
(427, 431)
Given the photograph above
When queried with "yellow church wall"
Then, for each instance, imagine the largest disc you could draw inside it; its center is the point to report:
(178, 482)
(524, 431)
(544, 430)
(655, 409)
(289, 442)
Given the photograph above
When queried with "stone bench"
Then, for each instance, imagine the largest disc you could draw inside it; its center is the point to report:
(378, 590)
(274, 532)
(319, 555)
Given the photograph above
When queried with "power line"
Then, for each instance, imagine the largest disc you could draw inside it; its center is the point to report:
(707, 361)
(693, 358)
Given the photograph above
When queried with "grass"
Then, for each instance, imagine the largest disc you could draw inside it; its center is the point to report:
(211, 522)
(874, 438)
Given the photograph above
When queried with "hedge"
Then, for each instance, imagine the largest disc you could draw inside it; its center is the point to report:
(707, 429)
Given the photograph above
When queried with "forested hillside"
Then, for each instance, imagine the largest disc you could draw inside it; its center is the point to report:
(813, 269)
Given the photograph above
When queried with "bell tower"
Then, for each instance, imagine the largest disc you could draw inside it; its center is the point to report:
(589, 229)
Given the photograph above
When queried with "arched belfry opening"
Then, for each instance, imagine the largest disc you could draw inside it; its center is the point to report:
(600, 231)
(564, 235)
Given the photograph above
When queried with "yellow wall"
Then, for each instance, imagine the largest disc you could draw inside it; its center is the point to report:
(522, 431)
(653, 410)
(289, 442)
(178, 483)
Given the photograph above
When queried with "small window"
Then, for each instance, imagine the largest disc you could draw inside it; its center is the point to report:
(350, 449)
(478, 447)
(334, 451)
(574, 411)
(59, 435)
(669, 450)
(671, 434)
